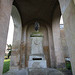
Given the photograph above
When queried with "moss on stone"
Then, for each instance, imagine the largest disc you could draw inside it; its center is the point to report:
(36, 34)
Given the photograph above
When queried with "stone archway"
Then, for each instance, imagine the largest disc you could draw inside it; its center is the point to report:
(68, 12)
(15, 55)
(28, 29)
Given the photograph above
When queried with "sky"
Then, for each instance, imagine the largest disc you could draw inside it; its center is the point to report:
(61, 20)
(61, 23)
(11, 30)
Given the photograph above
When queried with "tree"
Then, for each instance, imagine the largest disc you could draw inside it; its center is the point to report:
(9, 49)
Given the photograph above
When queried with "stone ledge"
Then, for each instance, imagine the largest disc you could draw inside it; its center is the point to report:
(36, 34)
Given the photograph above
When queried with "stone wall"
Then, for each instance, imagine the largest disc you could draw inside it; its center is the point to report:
(60, 62)
(64, 44)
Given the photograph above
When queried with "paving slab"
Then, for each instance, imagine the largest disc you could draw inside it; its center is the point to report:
(46, 71)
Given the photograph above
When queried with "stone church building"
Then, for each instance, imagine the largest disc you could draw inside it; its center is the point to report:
(56, 44)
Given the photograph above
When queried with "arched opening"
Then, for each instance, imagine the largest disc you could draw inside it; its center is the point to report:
(8, 49)
(15, 55)
(13, 41)
(43, 29)
(64, 45)
(61, 23)
(63, 39)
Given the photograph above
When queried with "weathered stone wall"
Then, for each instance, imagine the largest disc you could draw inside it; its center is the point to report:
(23, 48)
(56, 38)
(64, 43)
(51, 48)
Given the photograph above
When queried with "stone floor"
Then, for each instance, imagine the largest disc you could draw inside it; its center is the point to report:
(15, 72)
(46, 71)
(67, 72)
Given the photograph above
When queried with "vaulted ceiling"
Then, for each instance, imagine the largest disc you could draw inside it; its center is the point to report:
(36, 9)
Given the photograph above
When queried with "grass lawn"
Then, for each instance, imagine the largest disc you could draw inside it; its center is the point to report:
(6, 65)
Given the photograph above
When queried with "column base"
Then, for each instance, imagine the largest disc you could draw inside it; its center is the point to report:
(61, 66)
(37, 61)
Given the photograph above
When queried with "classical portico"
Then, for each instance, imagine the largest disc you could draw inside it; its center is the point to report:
(47, 13)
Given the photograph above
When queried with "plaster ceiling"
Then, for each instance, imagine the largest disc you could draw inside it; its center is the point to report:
(35, 9)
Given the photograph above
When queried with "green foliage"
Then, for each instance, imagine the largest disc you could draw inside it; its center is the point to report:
(9, 47)
(6, 65)
(9, 54)
(68, 65)
(36, 34)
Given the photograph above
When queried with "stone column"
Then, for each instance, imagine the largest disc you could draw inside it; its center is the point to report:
(74, 1)
(5, 11)
(56, 38)
(15, 55)
(69, 23)
(64, 43)
(51, 48)
(23, 48)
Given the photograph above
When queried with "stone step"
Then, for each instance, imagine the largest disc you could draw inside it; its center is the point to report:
(44, 72)
(67, 72)
(39, 71)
